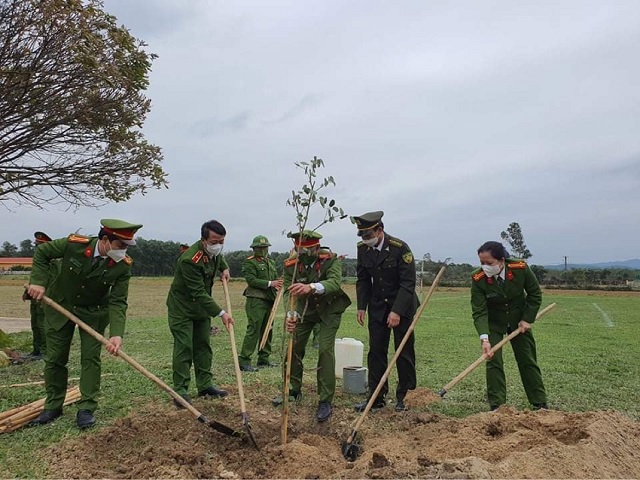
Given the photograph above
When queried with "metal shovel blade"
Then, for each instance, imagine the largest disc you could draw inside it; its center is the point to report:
(247, 427)
(221, 427)
(351, 451)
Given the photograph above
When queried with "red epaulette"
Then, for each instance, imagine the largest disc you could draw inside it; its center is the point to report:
(289, 262)
(517, 265)
(196, 258)
(325, 256)
(127, 259)
(478, 276)
(78, 238)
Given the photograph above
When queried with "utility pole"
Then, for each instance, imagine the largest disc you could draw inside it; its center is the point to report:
(565, 263)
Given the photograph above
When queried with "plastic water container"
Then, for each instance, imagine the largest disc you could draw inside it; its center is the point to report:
(354, 380)
(349, 353)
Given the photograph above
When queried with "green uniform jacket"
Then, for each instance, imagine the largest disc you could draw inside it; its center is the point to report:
(388, 276)
(95, 292)
(499, 308)
(258, 272)
(190, 292)
(327, 270)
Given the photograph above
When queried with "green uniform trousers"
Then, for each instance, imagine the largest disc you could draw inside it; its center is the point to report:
(57, 356)
(191, 344)
(37, 327)
(524, 349)
(258, 311)
(326, 353)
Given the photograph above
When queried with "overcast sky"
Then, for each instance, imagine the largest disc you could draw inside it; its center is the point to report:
(455, 118)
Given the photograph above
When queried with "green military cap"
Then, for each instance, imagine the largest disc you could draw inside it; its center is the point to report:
(309, 238)
(123, 231)
(260, 241)
(367, 221)
(41, 237)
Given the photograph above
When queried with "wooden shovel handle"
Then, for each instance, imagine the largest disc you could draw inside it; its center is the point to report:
(234, 351)
(272, 315)
(494, 349)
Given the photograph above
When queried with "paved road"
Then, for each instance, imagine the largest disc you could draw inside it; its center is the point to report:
(12, 325)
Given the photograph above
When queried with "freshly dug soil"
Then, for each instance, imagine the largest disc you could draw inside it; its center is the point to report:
(160, 442)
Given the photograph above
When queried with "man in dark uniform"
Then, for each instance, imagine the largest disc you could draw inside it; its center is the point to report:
(319, 300)
(191, 307)
(37, 312)
(506, 296)
(385, 286)
(260, 273)
(93, 284)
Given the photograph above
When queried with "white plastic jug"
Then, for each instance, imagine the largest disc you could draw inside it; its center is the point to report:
(349, 353)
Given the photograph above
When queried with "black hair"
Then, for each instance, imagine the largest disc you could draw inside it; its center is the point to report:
(496, 249)
(212, 226)
(110, 236)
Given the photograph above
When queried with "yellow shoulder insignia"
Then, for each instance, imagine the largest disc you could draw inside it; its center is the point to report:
(196, 258)
(517, 265)
(479, 276)
(78, 238)
(395, 243)
(289, 262)
(251, 257)
(407, 257)
(361, 244)
(127, 259)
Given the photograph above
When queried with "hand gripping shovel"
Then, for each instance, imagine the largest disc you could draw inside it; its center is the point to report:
(234, 352)
(483, 357)
(212, 423)
(350, 449)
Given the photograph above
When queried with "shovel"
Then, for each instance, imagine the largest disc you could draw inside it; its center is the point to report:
(220, 427)
(234, 352)
(350, 449)
(483, 357)
(272, 315)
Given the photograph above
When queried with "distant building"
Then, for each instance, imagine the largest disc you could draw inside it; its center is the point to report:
(7, 263)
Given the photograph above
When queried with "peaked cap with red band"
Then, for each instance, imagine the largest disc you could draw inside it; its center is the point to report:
(123, 231)
(308, 239)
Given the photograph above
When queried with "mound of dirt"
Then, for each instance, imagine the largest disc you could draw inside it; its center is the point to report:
(162, 442)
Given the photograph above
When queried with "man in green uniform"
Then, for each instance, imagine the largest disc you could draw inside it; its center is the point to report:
(386, 287)
(506, 296)
(37, 312)
(93, 284)
(190, 308)
(260, 273)
(319, 300)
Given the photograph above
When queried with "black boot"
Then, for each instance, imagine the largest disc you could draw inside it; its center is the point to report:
(248, 368)
(213, 392)
(377, 405)
(324, 411)
(178, 405)
(540, 406)
(400, 406)
(85, 419)
(45, 417)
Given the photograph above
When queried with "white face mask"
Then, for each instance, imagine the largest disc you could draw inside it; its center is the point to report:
(491, 270)
(214, 250)
(370, 242)
(117, 254)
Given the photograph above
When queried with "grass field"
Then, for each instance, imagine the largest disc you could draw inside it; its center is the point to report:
(588, 350)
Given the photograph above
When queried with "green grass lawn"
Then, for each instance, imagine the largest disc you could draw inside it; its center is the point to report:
(588, 350)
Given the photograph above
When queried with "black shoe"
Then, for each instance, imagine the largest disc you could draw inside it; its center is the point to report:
(178, 405)
(324, 411)
(377, 405)
(293, 397)
(266, 365)
(540, 406)
(494, 407)
(213, 392)
(248, 368)
(85, 419)
(400, 406)
(45, 417)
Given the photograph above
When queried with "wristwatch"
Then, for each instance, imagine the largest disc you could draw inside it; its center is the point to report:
(312, 286)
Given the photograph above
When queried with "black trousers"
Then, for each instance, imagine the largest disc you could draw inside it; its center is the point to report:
(379, 336)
